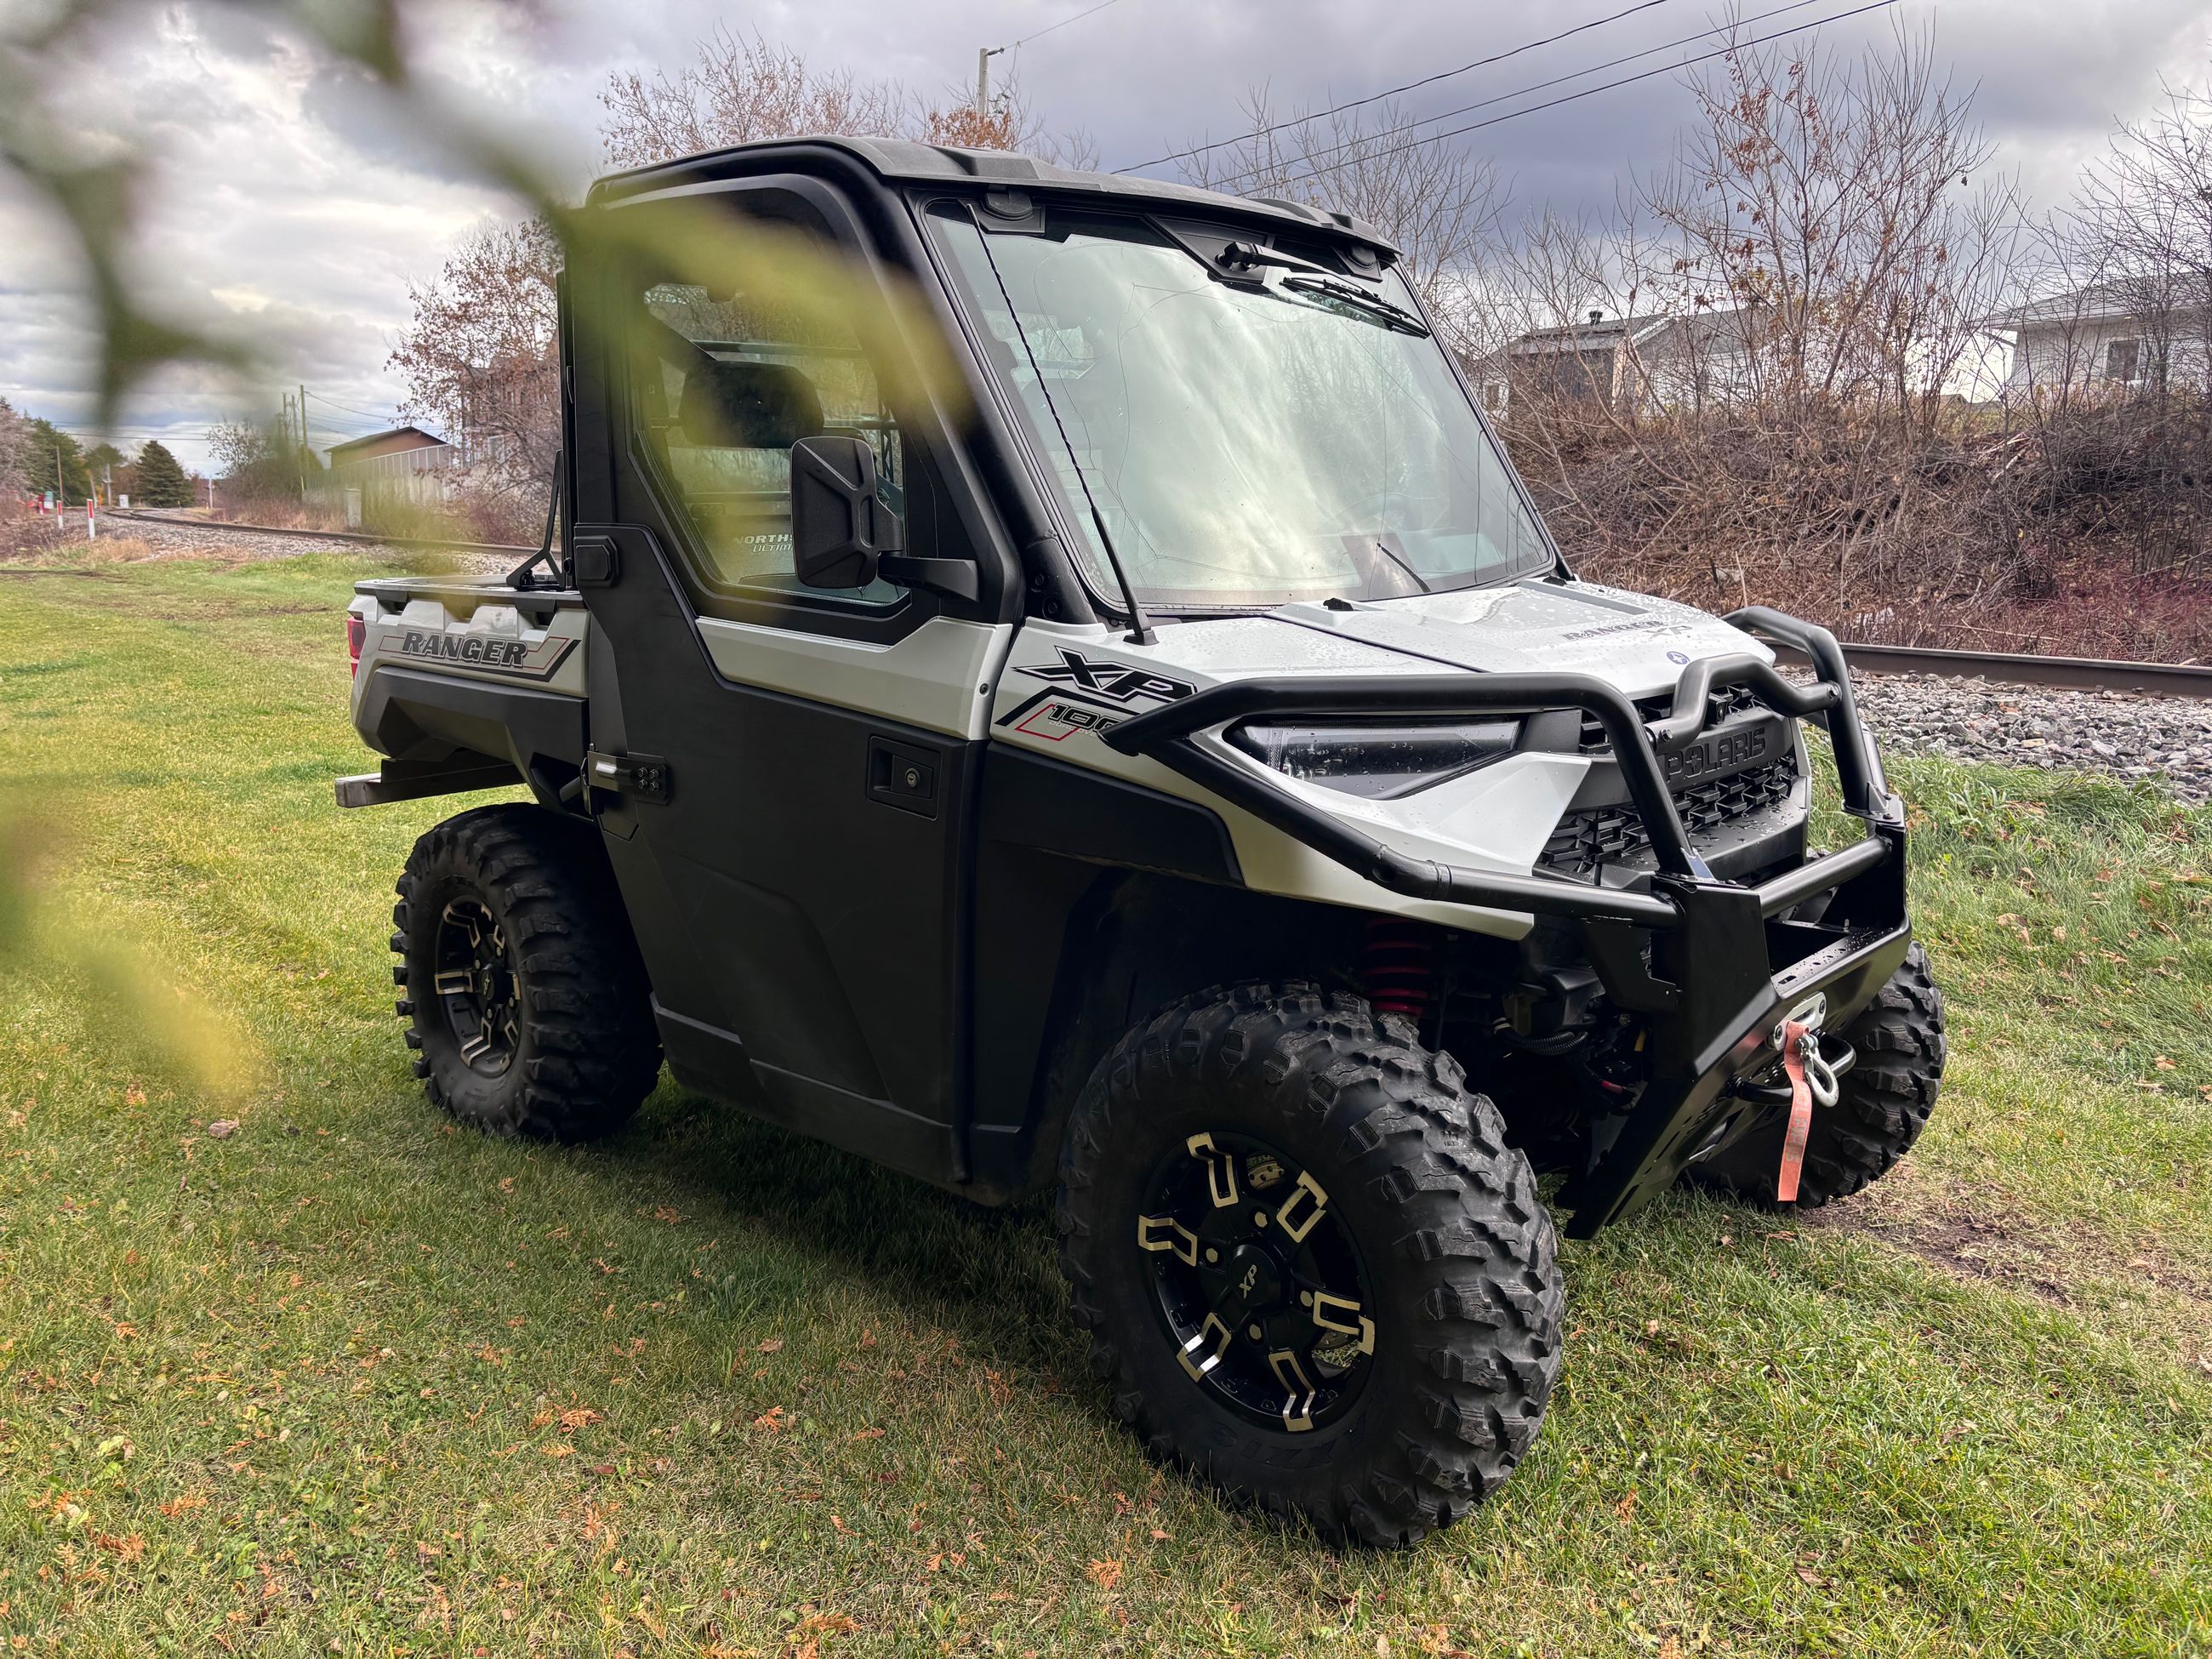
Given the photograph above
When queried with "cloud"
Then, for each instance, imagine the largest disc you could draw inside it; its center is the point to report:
(291, 208)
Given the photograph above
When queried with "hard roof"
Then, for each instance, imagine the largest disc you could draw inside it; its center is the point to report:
(430, 439)
(904, 161)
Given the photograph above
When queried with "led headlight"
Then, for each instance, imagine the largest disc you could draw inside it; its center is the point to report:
(1380, 760)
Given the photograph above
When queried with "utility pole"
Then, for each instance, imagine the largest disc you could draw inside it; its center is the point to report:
(303, 445)
(983, 57)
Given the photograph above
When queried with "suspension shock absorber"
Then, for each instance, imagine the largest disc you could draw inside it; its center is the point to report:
(1400, 966)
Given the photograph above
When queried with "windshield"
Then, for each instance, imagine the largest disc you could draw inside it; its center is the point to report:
(1244, 446)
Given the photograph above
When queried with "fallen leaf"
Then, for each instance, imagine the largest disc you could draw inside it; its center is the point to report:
(559, 1449)
(664, 1213)
(222, 1128)
(773, 1419)
(506, 1183)
(774, 1344)
(2162, 1062)
(134, 1095)
(869, 1434)
(1627, 1507)
(579, 1417)
(1105, 1574)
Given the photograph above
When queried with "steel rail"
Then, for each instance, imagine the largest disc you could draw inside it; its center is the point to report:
(2153, 679)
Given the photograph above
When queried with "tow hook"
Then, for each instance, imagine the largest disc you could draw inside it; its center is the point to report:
(1811, 1078)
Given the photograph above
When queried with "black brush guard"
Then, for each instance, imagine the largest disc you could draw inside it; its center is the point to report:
(1711, 965)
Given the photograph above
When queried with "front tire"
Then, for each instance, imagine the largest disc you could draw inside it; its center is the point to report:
(520, 983)
(1312, 1271)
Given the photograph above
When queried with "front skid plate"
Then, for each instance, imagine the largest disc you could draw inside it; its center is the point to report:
(1674, 1119)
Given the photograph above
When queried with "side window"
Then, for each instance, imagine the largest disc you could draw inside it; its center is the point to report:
(721, 387)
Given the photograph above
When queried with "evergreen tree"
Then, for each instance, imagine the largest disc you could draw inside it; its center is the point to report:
(162, 481)
(14, 450)
(51, 448)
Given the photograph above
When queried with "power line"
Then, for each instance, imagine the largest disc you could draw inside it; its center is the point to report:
(1626, 80)
(1062, 24)
(1540, 86)
(1392, 92)
(367, 414)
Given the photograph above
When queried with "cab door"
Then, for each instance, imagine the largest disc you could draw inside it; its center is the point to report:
(790, 772)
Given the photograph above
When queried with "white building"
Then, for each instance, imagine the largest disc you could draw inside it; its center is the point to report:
(1635, 365)
(406, 463)
(2110, 339)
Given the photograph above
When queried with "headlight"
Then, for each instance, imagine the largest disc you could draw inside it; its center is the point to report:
(1380, 760)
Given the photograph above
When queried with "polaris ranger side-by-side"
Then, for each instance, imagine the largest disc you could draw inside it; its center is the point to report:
(1077, 697)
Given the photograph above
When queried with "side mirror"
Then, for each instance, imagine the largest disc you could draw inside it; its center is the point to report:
(841, 536)
(839, 530)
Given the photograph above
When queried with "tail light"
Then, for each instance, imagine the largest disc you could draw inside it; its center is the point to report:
(356, 632)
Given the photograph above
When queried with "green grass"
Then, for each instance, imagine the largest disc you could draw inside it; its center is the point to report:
(349, 1379)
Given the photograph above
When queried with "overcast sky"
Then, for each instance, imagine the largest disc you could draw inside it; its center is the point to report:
(289, 205)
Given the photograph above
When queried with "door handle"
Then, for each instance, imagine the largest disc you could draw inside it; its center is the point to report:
(904, 775)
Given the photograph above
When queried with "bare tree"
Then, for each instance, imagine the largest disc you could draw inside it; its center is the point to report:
(1745, 383)
(2118, 350)
(734, 89)
(2146, 207)
(1828, 210)
(481, 359)
(737, 89)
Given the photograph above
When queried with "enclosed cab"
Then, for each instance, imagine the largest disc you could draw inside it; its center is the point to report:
(1049, 681)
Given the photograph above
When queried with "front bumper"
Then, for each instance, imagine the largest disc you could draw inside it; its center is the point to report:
(1710, 964)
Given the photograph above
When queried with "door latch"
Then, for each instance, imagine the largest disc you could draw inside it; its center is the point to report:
(641, 777)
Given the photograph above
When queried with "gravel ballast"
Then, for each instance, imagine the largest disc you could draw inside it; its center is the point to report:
(2167, 740)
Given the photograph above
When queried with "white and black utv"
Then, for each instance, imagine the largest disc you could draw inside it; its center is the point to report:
(1050, 681)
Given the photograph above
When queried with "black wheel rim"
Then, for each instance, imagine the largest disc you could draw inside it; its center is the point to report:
(476, 983)
(1261, 1287)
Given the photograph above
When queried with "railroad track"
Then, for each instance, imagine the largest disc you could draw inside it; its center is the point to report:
(2153, 679)
(176, 523)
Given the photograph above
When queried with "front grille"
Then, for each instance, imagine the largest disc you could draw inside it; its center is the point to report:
(1587, 841)
(1724, 704)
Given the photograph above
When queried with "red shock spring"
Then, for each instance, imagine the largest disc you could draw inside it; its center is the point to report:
(1400, 966)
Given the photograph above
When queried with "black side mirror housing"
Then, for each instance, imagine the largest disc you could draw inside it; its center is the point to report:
(839, 531)
(842, 537)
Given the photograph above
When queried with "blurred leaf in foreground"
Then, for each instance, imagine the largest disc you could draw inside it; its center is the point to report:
(155, 1020)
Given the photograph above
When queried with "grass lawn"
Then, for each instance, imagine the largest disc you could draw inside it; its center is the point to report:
(348, 1380)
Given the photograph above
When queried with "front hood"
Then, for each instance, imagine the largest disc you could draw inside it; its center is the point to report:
(1638, 644)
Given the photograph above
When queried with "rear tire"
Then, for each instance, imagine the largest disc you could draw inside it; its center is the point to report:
(520, 983)
(1436, 1244)
(1882, 1103)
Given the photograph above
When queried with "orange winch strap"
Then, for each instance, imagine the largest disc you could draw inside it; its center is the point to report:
(1801, 1111)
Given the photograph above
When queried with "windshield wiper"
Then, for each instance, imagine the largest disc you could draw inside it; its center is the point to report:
(1383, 310)
(1383, 548)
